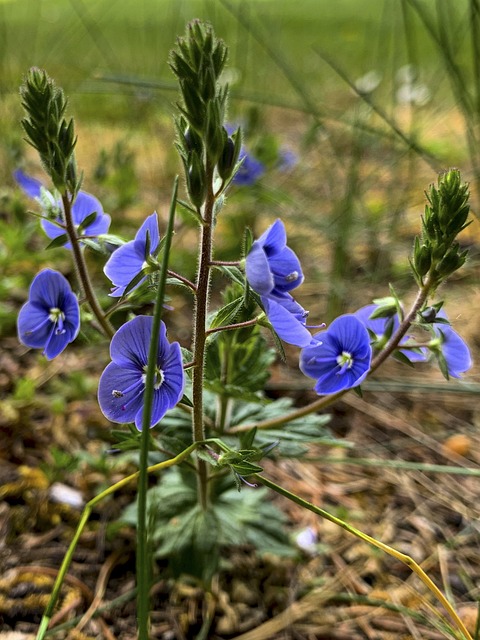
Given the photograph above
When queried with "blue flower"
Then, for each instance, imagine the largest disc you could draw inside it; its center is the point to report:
(451, 350)
(129, 260)
(340, 358)
(249, 171)
(51, 317)
(288, 319)
(272, 270)
(271, 267)
(378, 326)
(122, 384)
(85, 204)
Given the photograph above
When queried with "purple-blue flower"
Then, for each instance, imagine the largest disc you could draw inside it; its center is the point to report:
(271, 267)
(130, 259)
(340, 357)
(85, 204)
(249, 171)
(451, 348)
(378, 326)
(51, 318)
(122, 384)
(288, 319)
(272, 270)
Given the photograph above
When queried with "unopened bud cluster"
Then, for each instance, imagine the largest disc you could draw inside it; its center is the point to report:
(48, 131)
(203, 142)
(436, 252)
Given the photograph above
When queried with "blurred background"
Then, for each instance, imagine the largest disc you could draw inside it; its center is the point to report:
(350, 110)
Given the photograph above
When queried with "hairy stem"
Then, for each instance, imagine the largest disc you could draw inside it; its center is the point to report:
(199, 334)
(82, 271)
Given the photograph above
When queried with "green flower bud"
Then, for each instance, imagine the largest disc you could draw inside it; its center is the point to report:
(196, 180)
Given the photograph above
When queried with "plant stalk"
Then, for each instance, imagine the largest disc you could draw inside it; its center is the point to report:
(82, 271)
(405, 559)
(199, 334)
(143, 560)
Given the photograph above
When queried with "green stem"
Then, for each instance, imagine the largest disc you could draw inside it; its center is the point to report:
(83, 521)
(401, 557)
(199, 334)
(143, 564)
(82, 271)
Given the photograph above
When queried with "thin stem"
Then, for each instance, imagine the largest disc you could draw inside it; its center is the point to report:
(405, 559)
(394, 341)
(143, 563)
(183, 280)
(82, 271)
(83, 521)
(232, 327)
(224, 263)
(199, 333)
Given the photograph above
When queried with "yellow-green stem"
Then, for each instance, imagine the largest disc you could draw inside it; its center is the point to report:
(407, 560)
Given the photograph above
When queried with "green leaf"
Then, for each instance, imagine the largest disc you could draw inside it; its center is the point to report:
(59, 241)
(227, 314)
(90, 219)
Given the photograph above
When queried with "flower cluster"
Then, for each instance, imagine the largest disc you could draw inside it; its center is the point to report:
(273, 270)
(82, 209)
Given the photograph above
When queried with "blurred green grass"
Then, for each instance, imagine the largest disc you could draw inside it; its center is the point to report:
(78, 39)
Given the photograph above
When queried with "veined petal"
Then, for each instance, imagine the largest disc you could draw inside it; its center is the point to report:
(101, 225)
(116, 407)
(33, 325)
(351, 334)
(123, 265)
(48, 289)
(258, 271)
(130, 345)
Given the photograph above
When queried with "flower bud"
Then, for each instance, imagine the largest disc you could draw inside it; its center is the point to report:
(196, 180)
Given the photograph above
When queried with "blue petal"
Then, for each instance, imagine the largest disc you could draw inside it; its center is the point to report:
(258, 271)
(117, 378)
(49, 288)
(455, 351)
(174, 383)
(319, 360)
(31, 186)
(287, 325)
(249, 172)
(286, 269)
(130, 345)
(84, 205)
(351, 334)
(122, 266)
(274, 238)
(150, 225)
(33, 325)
